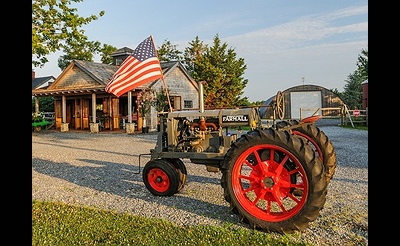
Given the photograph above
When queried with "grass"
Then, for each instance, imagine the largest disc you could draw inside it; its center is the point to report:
(62, 224)
(356, 126)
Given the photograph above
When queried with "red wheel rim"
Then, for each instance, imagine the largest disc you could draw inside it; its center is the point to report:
(314, 145)
(263, 180)
(158, 180)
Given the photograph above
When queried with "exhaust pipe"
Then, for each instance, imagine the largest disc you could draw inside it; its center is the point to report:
(201, 96)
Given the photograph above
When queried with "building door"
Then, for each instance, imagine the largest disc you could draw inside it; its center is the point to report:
(305, 103)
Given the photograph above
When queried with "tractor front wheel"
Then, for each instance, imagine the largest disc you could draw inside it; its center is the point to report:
(161, 178)
(181, 169)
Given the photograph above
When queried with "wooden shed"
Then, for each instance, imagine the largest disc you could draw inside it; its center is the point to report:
(81, 100)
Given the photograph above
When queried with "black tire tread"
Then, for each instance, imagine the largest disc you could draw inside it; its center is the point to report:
(318, 137)
(169, 169)
(181, 169)
(311, 163)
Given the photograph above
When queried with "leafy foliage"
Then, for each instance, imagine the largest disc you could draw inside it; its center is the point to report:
(223, 73)
(169, 52)
(37, 117)
(56, 26)
(46, 104)
(161, 101)
(192, 53)
(352, 95)
(217, 65)
(145, 99)
(106, 50)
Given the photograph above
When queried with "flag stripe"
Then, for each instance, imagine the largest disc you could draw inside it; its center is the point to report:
(153, 71)
(138, 83)
(152, 74)
(141, 67)
(124, 66)
(137, 69)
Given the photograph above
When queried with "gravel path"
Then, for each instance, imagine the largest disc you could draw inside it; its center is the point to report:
(101, 170)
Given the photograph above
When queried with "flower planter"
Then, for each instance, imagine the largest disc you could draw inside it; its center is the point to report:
(145, 129)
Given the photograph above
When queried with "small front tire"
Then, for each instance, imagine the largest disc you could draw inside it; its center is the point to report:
(181, 169)
(161, 178)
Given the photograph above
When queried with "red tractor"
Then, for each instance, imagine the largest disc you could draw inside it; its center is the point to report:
(274, 178)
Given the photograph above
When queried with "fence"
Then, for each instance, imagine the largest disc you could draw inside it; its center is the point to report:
(49, 116)
(354, 116)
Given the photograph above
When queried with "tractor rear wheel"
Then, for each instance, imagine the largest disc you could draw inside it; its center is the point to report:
(261, 171)
(318, 140)
(161, 178)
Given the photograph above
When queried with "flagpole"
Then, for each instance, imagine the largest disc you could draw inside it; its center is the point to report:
(165, 84)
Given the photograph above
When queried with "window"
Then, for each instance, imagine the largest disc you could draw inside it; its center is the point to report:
(188, 104)
(118, 61)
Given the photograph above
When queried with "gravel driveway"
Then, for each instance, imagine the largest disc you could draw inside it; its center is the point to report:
(101, 170)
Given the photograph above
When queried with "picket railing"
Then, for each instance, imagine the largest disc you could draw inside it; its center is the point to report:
(354, 116)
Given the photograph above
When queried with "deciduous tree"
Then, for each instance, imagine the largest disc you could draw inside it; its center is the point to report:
(56, 26)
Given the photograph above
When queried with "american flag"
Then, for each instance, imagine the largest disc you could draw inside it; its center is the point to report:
(141, 67)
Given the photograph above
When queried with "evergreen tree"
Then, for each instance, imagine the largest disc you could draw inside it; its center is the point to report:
(222, 72)
(352, 95)
(192, 53)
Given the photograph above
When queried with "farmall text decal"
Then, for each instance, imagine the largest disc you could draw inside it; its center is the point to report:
(235, 118)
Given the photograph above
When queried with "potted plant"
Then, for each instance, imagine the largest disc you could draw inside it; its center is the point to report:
(144, 101)
(38, 121)
(160, 104)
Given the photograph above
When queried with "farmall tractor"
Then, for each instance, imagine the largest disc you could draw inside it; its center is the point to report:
(274, 178)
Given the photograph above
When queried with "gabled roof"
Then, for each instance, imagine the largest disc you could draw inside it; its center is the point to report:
(102, 73)
(37, 82)
(167, 67)
(122, 51)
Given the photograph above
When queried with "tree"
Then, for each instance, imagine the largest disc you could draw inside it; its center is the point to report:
(222, 72)
(169, 52)
(161, 101)
(105, 53)
(46, 104)
(352, 95)
(192, 53)
(362, 64)
(57, 27)
(76, 52)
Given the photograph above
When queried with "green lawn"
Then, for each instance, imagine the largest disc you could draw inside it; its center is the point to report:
(62, 224)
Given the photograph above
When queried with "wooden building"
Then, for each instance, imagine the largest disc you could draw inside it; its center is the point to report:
(81, 102)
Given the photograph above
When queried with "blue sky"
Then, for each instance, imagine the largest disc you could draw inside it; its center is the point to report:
(284, 43)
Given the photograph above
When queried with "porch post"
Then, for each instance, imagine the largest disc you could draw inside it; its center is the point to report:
(36, 104)
(130, 127)
(130, 106)
(93, 108)
(94, 127)
(64, 124)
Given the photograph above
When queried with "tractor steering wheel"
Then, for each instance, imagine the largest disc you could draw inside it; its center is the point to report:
(280, 105)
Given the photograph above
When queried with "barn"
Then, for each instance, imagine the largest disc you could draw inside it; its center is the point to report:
(305, 100)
